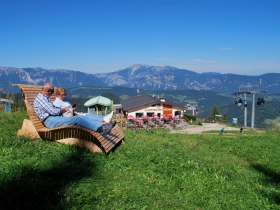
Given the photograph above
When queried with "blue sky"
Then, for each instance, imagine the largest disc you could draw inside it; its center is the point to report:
(226, 36)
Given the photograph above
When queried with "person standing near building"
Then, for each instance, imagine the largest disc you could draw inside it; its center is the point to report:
(222, 131)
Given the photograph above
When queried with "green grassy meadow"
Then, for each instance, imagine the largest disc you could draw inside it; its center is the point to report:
(150, 170)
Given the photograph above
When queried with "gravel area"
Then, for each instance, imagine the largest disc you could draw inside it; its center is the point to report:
(184, 127)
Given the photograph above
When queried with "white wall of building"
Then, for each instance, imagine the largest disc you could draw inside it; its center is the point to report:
(157, 110)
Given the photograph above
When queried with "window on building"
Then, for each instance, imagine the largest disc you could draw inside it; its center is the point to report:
(139, 114)
(150, 114)
(118, 110)
(177, 113)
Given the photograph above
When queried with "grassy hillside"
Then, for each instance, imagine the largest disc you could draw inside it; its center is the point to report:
(154, 170)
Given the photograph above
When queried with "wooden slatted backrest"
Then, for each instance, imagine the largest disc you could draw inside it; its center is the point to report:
(29, 92)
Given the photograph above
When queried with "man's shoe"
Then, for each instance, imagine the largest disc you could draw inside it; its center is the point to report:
(106, 128)
(100, 129)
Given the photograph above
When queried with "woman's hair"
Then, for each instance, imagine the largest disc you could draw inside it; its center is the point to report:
(59, 91)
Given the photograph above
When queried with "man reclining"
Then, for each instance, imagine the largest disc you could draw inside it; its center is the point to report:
(52, 116)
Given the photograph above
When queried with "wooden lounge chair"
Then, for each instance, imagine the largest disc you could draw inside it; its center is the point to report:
(34, 128)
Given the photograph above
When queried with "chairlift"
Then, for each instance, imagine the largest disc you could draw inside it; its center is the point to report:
(260, 101)
(239, 103)
(236, 98)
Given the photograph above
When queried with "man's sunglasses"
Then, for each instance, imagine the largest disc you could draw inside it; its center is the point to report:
(51, 90)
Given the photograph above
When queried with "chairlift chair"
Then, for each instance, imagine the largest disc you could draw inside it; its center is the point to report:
(240, 102)
(260, 101)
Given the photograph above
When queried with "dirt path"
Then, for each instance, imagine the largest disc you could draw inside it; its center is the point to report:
(184, 127)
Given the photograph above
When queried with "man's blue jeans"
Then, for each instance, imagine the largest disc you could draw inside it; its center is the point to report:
(90, 121)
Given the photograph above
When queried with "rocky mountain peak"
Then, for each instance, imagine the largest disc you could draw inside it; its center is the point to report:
(140, 76)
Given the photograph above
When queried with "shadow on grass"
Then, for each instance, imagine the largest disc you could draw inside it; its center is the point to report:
(271, 177)
(43, 189)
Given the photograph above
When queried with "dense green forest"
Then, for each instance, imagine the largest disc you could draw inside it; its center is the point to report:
(203, 100)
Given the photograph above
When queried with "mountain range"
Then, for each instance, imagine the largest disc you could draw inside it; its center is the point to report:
(178, 85)
(142, 77)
